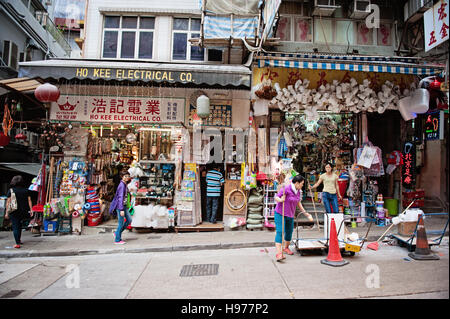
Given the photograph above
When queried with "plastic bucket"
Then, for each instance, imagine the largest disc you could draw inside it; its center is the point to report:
(94, 219)
(391, 204)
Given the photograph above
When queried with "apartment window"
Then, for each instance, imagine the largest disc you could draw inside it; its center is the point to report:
(183, 30)
(384, 36)
(294, 28)
(364, 34)
(128, 37)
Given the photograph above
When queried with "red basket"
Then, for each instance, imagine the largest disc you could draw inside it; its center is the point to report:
(417, 203)
(420, 193)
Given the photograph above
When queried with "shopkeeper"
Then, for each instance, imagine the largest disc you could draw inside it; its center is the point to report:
(290, 195)
(330, 190)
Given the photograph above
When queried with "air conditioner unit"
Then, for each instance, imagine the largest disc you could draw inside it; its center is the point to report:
(324, 8)
(414, 9)
(360, 9)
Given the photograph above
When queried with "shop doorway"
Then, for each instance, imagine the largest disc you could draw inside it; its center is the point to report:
(203, 169)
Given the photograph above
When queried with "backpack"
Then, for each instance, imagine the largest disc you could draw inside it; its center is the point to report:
(12, 203)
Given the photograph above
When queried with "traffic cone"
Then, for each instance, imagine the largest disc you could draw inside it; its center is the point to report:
(334, 257)
(422, 251)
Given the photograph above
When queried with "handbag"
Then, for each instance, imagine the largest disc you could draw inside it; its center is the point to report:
(12, 203)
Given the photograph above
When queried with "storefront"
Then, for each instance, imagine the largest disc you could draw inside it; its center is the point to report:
(344, 110)
(139, 117)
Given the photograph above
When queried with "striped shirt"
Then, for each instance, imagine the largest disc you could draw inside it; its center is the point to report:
(214, 179)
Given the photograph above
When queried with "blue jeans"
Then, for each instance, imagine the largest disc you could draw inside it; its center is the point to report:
(330, 201)
(212, 204)
(16, 223)
(124, 221)
(288, 228)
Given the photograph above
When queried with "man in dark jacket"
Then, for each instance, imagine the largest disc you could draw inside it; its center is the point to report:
(119, 205)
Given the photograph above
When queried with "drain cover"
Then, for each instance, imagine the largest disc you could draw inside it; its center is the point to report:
(12, 294)
(199, 270)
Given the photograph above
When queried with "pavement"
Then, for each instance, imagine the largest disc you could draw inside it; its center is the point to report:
(99, 240)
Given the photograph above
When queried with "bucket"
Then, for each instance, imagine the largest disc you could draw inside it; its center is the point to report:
(94, 219)
(391, 204)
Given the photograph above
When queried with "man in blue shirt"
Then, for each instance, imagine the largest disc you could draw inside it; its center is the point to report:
(214, 182)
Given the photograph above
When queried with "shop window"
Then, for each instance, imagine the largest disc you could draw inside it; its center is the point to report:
(364, 34)
(183, 30)
(132, 34)
(384, 35)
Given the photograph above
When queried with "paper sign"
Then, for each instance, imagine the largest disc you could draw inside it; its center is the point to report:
(367, 156)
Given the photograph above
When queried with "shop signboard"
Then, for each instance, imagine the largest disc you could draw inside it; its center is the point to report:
(219, 115)
(436, 24)
(114, 109)
(434, 125)
(409, 165)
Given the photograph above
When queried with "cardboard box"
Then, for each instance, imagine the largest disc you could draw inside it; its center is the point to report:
(406, 228)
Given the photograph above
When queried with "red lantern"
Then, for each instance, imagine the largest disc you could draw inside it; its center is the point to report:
(435, 85)
(47, 93)
(4, 139)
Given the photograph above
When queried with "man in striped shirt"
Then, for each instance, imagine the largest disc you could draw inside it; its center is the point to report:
(214, 182)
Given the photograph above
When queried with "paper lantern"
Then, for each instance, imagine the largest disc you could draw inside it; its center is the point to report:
(203, 106)
(47, 93)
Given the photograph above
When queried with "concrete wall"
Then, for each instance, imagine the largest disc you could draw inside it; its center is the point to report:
(433, 178)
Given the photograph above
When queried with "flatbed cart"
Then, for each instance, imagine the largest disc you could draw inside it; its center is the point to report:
(310, 245)
(434, 236)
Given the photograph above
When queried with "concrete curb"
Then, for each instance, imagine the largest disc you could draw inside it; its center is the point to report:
(66, 253)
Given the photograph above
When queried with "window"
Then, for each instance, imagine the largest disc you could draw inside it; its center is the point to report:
(384, 36)
(364, 34)
(183, 30)
(128, 37)
(294, 28)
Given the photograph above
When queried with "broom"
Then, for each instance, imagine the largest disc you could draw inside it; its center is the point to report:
(374, 245)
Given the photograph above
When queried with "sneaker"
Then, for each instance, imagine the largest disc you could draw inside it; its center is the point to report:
(119, 242)
(17, 246)
(288, 251)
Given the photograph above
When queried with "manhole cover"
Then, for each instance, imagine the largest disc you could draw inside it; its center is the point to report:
(199, 270)
(154, 237)
(12, 294)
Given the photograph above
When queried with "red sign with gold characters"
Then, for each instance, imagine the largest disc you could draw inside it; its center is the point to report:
(123, 109)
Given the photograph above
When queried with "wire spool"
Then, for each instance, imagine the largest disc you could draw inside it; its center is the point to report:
(234, 207)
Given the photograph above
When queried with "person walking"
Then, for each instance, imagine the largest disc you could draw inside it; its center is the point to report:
(24, 207)
(289, 196)
(119, 206)
(330, 192)
(214, 182)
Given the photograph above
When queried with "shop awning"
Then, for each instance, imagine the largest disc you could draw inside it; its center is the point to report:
(20, 84)
(28, 168)
(181, 73)
(393, 65)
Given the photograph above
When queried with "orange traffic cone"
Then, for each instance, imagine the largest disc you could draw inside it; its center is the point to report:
(422, 251)
(334, 253)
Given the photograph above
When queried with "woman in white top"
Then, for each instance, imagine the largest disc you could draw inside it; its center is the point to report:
(330, 191)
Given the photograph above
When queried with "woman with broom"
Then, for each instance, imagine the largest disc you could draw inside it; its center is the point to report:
(288, 199)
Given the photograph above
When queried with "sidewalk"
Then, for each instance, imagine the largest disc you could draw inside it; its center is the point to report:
(93, 243)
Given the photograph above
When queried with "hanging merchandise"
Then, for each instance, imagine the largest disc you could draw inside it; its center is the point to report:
(370, 158)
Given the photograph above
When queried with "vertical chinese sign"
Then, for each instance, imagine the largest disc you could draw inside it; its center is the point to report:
(409, 165)
(436, 24)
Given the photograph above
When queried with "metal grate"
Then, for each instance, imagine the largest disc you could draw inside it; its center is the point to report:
(199, 270)
(12, 294)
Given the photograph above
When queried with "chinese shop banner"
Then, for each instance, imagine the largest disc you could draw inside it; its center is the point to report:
(409, 165)
(112, 109)
(436, 24)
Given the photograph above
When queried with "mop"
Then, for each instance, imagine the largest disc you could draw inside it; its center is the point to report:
(314, 204)
(374, 245)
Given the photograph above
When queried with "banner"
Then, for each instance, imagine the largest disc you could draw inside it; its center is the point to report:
(436, 24)
(123, 109)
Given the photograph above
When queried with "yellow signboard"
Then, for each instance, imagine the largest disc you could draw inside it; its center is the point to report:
(288, 76)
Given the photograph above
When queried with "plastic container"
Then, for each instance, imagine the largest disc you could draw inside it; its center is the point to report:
(94, 219)
(420, 101)
(50, 225)
(391, 204)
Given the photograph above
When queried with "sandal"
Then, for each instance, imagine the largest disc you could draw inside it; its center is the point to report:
(288, 251)
(280, 257)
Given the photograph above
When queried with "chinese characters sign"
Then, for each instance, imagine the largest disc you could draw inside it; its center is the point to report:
(106, 109)
(409, 165)
(434, 129)
(220, 115)
(436, 24)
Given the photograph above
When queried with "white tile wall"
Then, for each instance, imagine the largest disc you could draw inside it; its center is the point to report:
(94, 23)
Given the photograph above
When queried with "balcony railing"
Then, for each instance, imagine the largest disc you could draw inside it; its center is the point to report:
(51, 28)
